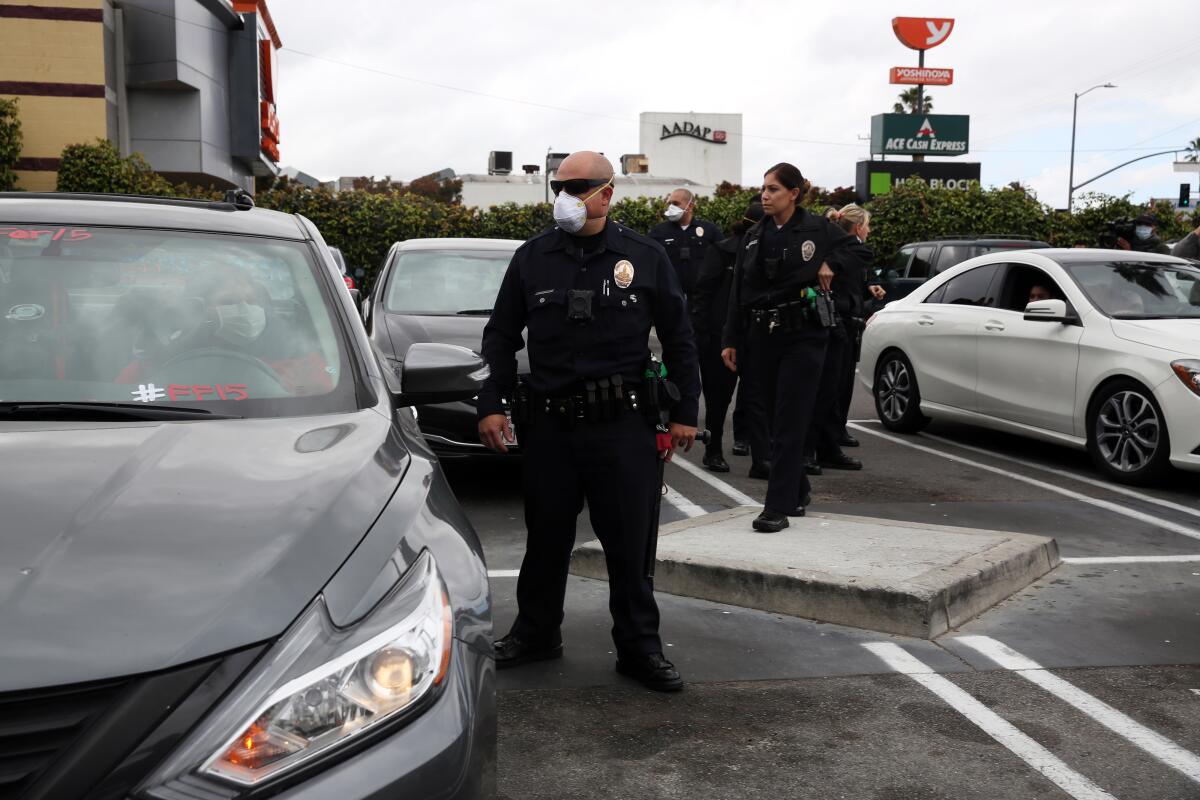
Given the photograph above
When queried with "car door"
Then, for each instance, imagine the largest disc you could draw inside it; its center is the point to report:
(943, 337)
(1027, 370)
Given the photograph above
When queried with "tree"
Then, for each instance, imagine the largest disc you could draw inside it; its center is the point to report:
(100, 168)
(371, 185)
(1193, 151)
(447, 191)
(908, 103)
(10, 143)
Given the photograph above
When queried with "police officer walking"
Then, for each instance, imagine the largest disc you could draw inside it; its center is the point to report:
(587, 293)
(685, 238)
(709, 309)
(777, 332)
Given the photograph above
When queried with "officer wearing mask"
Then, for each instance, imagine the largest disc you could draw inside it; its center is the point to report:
(710, 308)
(777, 332)
(587, 292)
(1144, 238)
(685, 238)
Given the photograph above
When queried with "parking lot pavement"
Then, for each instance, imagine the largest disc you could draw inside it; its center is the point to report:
(783, 707)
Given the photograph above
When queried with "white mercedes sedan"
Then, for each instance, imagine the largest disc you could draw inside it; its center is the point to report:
(1095, 349)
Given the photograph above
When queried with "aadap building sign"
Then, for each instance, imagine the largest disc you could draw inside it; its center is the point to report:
(920, 134)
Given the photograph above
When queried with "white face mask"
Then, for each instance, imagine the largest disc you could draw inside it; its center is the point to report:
(240, 323)
(1143, 231)
(674, 213)
(570, 213)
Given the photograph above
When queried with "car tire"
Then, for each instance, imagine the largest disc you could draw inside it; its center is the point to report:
(897, 398)
(1127, 434)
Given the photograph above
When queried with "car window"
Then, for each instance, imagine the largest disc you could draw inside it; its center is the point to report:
(1138, 290)
(432, 282)
(971, 288)
(936, 295)
(898, 265)
(952, 254)
(919, 268)
(235, 324)
(1023, 284)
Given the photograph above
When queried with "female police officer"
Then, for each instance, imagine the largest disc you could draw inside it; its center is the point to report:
(779, 321)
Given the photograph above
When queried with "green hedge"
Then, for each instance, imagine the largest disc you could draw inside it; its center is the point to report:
(10, 143)
(365, 224)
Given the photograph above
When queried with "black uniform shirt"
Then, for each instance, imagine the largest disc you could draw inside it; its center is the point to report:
(562, 352)
(803, 243)
(685, 247)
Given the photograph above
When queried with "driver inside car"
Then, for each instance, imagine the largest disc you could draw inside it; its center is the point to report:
(227, 311)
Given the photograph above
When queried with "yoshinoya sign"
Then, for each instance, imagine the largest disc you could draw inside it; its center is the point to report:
(922, 33)
(920, 134)
(874, 178)
(694, 131)
(933, 76)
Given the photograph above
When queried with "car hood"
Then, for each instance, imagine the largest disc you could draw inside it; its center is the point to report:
(134, 547)
(466, 331)
(1177, 335)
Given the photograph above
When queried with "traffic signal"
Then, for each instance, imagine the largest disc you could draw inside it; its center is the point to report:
(1185, 195)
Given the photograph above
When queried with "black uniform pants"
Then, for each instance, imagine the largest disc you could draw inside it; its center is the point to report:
(614, 466)
(783, 372)
(718, 382)
(850, 365)
(828, 424)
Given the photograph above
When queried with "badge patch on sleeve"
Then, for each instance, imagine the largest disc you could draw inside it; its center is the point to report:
(807, 249)
(623, 274)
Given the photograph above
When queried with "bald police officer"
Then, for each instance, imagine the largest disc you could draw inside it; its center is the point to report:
(685, 238)
(587, 293)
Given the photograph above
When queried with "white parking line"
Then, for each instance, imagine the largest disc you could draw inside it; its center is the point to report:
(721, 486)
(1165, 524)
(1132, 560)
(990, 722)
(1153, 743)
(503, 573)
(1105, 485)
(685, 506)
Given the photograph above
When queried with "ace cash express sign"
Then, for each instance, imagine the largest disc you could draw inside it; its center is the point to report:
(920, 134)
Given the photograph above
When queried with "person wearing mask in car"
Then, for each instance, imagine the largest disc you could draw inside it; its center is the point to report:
(586, 294)
(1145, 239)
(685, 238)
(777, 332)
(709, 308)
(828, 434)
(1189, 246)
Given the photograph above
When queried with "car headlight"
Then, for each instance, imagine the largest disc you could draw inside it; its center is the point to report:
(320, 687)
(1188, 370)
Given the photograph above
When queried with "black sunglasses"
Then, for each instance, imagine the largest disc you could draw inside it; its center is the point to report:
(577, 185)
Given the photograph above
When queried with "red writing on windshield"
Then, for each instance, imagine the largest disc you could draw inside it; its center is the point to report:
(216, 391)
(51, 234)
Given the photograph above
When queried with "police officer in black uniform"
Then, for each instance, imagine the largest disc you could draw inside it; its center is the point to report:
(709, 305)
(685, 238)
(777, 333)
(587, 293)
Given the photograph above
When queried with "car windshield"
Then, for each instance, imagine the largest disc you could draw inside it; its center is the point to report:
(1140, 290)
(234, 325)
(432, 282)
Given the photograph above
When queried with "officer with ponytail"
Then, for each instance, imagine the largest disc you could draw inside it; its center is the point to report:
(777, 332)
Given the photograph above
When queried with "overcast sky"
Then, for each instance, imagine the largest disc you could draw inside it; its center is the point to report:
(806, 76)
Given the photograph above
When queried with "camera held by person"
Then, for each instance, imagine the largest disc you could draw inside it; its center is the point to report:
(1138, 235)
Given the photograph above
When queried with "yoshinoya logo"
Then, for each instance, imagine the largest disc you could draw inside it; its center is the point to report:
(694, 131)
(26, 312)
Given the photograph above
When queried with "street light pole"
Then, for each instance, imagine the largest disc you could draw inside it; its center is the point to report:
(1074, 114)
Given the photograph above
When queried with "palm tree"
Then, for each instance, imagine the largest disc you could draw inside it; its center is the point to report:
(1193, 151)
(908, 103)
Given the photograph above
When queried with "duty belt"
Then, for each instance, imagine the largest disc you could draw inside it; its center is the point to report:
(815, 312)
(594, 401)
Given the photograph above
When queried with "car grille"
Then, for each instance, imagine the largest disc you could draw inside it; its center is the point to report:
(36, 727)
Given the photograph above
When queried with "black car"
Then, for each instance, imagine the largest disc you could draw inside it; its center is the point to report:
(439, 290)
(917, 262)
(231, 565)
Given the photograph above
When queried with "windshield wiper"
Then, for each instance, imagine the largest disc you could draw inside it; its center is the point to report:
(476, 311)
(89, 410)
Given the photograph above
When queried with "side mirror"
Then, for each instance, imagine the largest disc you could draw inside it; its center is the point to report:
(1051, 311)
(439, 373)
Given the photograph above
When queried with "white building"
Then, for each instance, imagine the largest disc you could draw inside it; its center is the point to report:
(707, 148)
